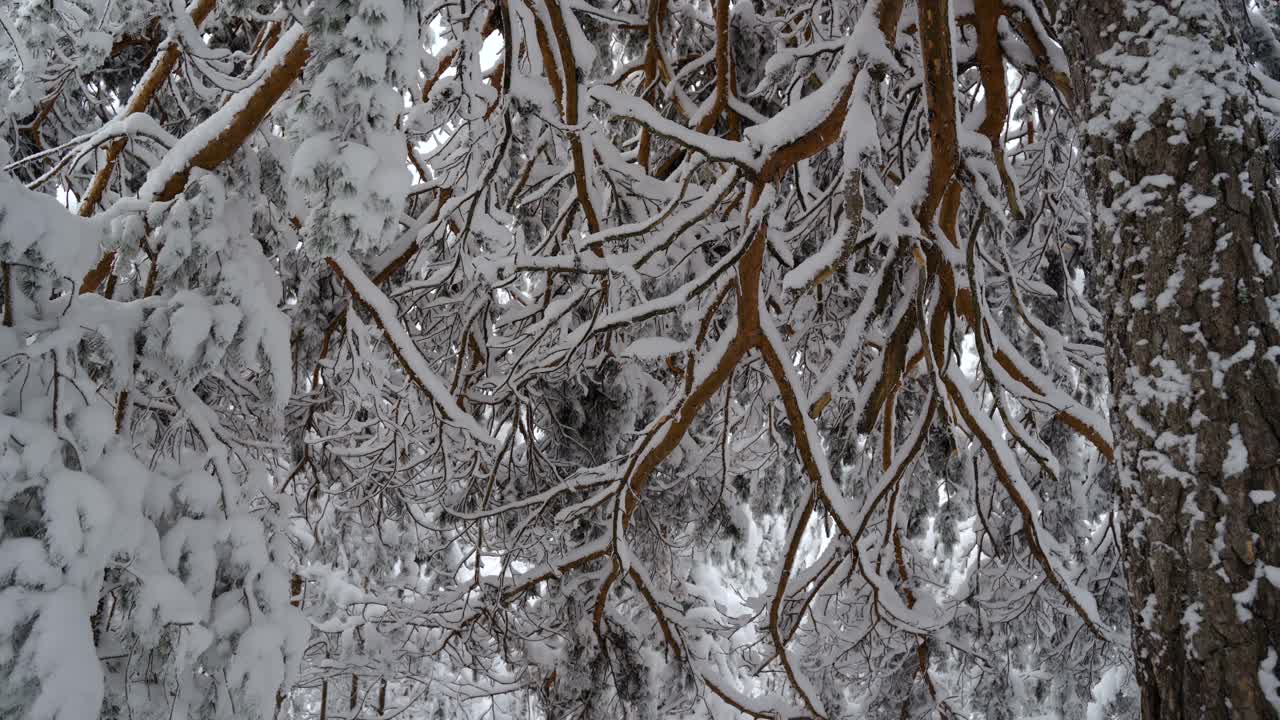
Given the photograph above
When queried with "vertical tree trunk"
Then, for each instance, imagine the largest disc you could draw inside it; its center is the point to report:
(1186, 229)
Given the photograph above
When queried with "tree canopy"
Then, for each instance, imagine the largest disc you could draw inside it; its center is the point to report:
(566, 358)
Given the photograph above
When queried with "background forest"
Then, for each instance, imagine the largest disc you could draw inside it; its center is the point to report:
(437, 359)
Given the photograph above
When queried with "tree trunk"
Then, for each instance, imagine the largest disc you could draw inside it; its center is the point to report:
(1185, 227)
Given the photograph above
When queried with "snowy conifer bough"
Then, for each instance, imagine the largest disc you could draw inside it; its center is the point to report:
(600, 359)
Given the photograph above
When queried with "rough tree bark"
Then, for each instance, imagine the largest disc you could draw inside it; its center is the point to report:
(1186, 231)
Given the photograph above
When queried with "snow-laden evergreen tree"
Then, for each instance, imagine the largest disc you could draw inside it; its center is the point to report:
(640, 358)
(145, 557)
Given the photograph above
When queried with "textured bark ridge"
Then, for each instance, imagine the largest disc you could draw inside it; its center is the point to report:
(1186, 230)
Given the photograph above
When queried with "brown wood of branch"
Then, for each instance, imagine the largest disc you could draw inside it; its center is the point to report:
(156, 76)
(278, 80)
(990, 59)
(570, 73)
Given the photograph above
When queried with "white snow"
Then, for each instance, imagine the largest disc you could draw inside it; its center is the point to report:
(1237, 459)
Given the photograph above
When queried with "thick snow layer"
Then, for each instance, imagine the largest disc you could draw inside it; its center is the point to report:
(39, 224)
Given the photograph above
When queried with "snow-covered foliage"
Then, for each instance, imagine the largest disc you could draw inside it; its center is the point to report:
(650, 358)
(142, 571)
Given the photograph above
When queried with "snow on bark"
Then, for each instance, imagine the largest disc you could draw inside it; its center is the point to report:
(1185, 223)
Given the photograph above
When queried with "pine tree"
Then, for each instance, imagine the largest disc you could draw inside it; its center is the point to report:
(636, 359)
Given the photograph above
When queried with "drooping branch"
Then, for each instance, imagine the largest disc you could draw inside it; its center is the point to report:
(411, 359)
